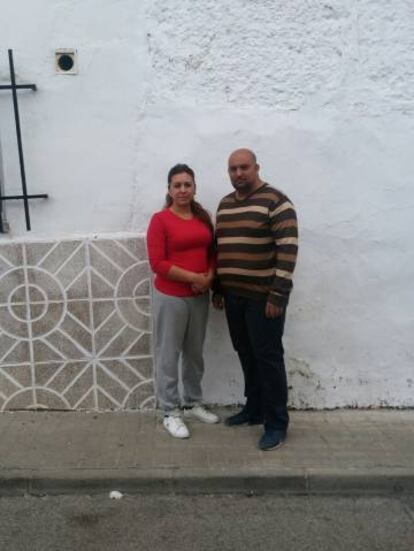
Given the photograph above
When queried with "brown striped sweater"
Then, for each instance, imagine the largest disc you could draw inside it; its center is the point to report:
(257, 244)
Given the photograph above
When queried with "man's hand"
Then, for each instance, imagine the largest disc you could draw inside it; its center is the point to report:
(218, 301)
(273, 311)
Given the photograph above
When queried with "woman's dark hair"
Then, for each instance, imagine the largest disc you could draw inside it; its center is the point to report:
(197, 210)
(179, 169)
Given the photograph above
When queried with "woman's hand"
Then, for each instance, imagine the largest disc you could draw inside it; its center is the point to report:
(202, 282)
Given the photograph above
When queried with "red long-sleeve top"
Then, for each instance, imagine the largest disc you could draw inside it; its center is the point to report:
(174, 241)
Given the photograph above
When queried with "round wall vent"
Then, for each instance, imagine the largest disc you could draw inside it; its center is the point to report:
(66, 61)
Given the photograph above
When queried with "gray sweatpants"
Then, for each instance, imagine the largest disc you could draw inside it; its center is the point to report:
(179, 329)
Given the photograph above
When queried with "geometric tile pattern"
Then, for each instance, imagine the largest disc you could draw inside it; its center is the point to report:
(75, 325)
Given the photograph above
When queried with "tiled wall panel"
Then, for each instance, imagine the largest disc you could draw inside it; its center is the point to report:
(75, 325)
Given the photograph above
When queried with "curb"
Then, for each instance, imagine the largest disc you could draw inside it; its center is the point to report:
(167, 481)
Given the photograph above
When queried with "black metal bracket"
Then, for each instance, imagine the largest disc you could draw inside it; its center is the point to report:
(25, 196)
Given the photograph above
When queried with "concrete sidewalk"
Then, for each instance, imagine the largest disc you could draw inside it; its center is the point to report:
(341, 452)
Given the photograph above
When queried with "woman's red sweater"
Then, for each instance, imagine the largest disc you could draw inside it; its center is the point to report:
(174, 241)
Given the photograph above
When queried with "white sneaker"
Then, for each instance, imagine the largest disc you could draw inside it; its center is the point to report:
(202, 414)
(175, 426)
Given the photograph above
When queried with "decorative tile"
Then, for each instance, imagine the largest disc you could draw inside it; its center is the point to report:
(120, 345)
(13, 351)
(104, 266)
(45, 318)
(46, 283)
(88, 401)
(13, 379)
(4, 266)
(48, 399)
(44, 351)
(66, 253)
(134, 282)
(81, 312)
(75, 325)
(65, 262)
(142, 366)
(100, 287)
(127, 373)
(106, 401)
(78, 287)
(70, 348)
(110, 384)
(12, 285)
(12, 254)
(77, 332)
(22, 399)
(141, 397)
(13, 321)
(74, 381)
(71, 274)
(36, 252)
(117, 252)
(19, 293)
(136, 247)
(142, 346)
(134, 313)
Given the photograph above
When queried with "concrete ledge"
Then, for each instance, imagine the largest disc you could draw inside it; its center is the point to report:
(341, 452)
(166, 481)
(395, 481)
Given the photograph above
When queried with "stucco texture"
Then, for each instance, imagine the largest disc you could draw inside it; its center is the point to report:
(322, 91)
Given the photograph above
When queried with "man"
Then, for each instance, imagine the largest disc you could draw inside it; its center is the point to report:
(257, 242)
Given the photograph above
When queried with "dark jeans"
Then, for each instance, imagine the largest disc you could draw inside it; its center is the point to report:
(258, 342)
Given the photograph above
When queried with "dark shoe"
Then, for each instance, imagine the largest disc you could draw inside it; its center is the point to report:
(272, 439)
(242, 418)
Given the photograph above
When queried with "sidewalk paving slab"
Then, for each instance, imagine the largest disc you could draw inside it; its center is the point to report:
(336, 452)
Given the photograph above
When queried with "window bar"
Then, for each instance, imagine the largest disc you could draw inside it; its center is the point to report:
(25, 197)
(19, 140)
(1, 212)
(3, 221)
(18, 86)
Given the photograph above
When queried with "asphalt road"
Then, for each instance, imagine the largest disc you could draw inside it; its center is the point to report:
(206, 523)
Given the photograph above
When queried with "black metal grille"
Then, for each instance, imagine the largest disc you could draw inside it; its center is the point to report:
(25, 196)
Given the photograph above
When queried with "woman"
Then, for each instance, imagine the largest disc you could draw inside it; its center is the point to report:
(180, 250)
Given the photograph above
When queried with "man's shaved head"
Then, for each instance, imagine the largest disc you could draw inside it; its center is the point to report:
(245, 151)
(244, 171)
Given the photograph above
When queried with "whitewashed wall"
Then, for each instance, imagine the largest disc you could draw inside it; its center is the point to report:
(322, 91)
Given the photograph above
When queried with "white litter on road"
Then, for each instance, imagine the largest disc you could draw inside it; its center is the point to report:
(115, 494)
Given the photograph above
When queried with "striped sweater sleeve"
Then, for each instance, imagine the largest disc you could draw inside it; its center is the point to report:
(284, 227)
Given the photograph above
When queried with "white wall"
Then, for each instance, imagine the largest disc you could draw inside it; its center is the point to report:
(322, 91)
